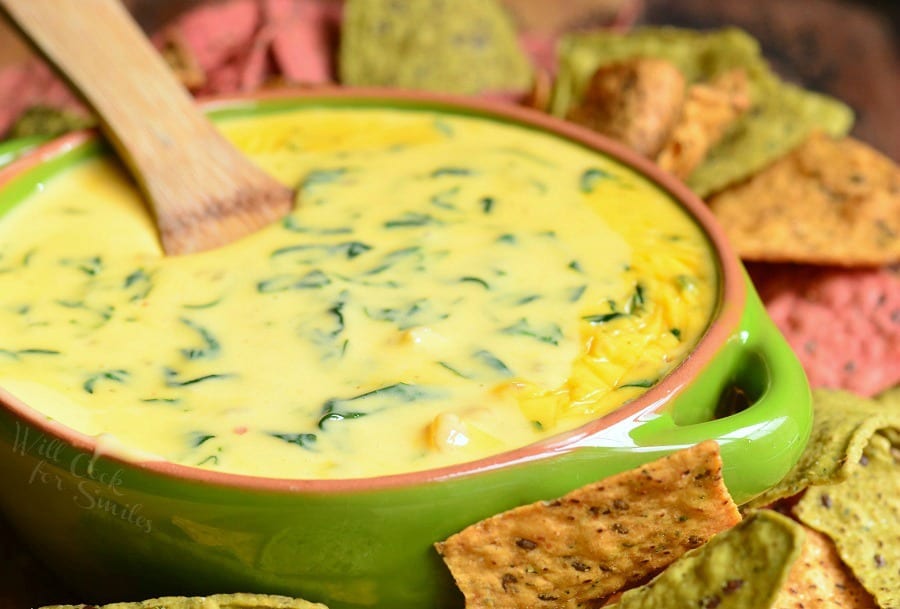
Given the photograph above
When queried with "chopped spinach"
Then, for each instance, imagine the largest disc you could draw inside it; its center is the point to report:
(317, 177)
(331, 416)
(172, 379)
(591, 177)
(451, 171)
(203, 305)
(327, 335)
(17, 355)
(477, 280)
(576, 293)
(443, 127)
(198, 438)
(637, 301)
(412, 219)
(350, 249)
(141, 281)
(281, 283)
(493, 362)
(303, 440)
(162, 400)
(645, 383)
(392, 258)
(444, 198)
(292, 224)
(369, 402)
(104, 313)
(89, 266)
(211, 346)
(417, 313)
(455, 371)
(602, 318)
(550, 333)
(116, 376)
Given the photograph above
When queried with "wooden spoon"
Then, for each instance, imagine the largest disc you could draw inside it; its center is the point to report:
(203, 191)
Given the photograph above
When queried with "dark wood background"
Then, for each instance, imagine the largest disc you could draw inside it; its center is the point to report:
(848, 49)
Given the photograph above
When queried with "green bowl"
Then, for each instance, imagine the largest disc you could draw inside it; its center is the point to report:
(118, 530)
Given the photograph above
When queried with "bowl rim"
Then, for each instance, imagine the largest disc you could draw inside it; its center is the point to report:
(723, 322)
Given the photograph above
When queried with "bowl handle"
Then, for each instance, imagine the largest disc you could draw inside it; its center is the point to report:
(760, 441)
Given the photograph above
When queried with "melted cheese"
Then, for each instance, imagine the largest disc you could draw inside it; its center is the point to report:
(447, 288)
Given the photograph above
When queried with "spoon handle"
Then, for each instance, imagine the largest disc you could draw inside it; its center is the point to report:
(200, 187)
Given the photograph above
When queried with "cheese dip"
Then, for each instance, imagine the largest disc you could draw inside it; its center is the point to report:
(447, 288)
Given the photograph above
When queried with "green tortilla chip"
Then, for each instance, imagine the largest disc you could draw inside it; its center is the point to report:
(50, 122)
(217, 601)
(743, 567)
(891, 397)
(862, 517)
(781, 117)
(843, 424)
(463, 47)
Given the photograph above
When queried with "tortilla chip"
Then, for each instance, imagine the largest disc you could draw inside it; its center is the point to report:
(637, 102)
(843, 424)
(181, 58)
(708, 113)
(49, 121)
(766, 562)
(843, 324)
(217, 601)
(820, 580)
(827, 202)
(596, 540)
(890, 396)
(862, 516)
(464, 47)
(781, 117)
(743, 567)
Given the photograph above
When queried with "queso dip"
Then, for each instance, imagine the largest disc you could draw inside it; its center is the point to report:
(447, 288)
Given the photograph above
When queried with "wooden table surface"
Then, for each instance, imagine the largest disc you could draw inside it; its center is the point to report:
(850, 50)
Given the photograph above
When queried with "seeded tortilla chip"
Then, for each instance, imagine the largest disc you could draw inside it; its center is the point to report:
(843, 425)
(862, 516)
(830, 201)
(463, 47)
(819, 579)
(781, 115)
(741, 568)
(217, 601)
(767, 562)
(596, 540)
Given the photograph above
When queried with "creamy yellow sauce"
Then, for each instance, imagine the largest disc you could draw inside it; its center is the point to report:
(447, 288)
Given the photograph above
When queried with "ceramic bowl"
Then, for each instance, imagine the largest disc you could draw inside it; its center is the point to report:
(116, 529)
